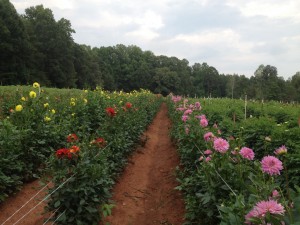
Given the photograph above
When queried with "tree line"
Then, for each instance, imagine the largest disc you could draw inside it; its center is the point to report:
(36, 47)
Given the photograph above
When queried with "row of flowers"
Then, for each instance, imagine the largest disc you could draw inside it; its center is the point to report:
(88, 167)
(230, 186)
(35, 121)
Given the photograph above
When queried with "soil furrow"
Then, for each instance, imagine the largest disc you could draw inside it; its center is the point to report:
(145, 193)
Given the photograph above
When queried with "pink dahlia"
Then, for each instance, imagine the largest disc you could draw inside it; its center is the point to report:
(184, 118)
(208, 159)
(176, 99)
(247, 153)
(198, 105)
(275, 193)
(208, 152)
(208, 136)
(200, 117)
(271, 165)
(203, 122)
(180, 109)
(252, 214)
(262, 208)
(281, 150)
(221, 145)
(188, 111)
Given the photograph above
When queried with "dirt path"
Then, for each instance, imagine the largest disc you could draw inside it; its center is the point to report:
(14, 203)
(145, 193)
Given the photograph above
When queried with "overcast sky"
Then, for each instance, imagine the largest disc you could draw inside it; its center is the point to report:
(234, 36)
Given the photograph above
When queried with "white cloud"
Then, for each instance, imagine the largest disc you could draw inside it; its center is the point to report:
(288, 9)
(219, 39)
(104, 19)
(65, 4)
(148, 26)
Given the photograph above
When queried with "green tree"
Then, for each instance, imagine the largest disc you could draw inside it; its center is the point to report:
(166, 81)
(13, 46)
(207, 81)
(52, 47)
(295, 84)
(267, 83)
(87, 67)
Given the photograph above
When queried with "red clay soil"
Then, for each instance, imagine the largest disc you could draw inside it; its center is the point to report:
(144, 194)
(14, 203)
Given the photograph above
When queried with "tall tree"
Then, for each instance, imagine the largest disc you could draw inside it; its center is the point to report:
(87, 67)
(52, 45)
(13, 46)
(295, 83)
(206, 80)
(166, 81)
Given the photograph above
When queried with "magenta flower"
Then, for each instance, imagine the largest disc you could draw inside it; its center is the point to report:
(221, 145)
(176, 99)
(281, 150)
(180, 109)
(191, 106)
(275, 193)
(188, 111)
(200, 117)
(247, 153)
(203, 122)
(271, 206)
(197, 105)
(252, 214)
(208, 152)
(271, 165)
(207, 159)
(262, 208)
(184, 118)
(208, 136)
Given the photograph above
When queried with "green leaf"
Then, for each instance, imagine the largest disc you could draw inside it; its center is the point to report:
(82, 201)
(57, 204)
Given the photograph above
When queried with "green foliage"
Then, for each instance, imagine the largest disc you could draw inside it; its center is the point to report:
(88, 175)
(14, 42)
(30, 134)
(11, 166)
(221, 188)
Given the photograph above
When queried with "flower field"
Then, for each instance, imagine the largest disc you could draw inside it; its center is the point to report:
(240, 160)
(77, 140)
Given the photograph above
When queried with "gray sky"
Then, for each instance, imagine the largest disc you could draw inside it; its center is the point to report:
(234, 36)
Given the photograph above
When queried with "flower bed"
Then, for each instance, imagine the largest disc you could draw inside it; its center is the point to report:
(226, 178)
(81, 139)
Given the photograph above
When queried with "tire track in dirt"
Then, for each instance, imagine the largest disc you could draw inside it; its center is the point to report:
(144, 194)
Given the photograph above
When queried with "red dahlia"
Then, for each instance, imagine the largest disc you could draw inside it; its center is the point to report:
(110, 111)
(72, 138)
